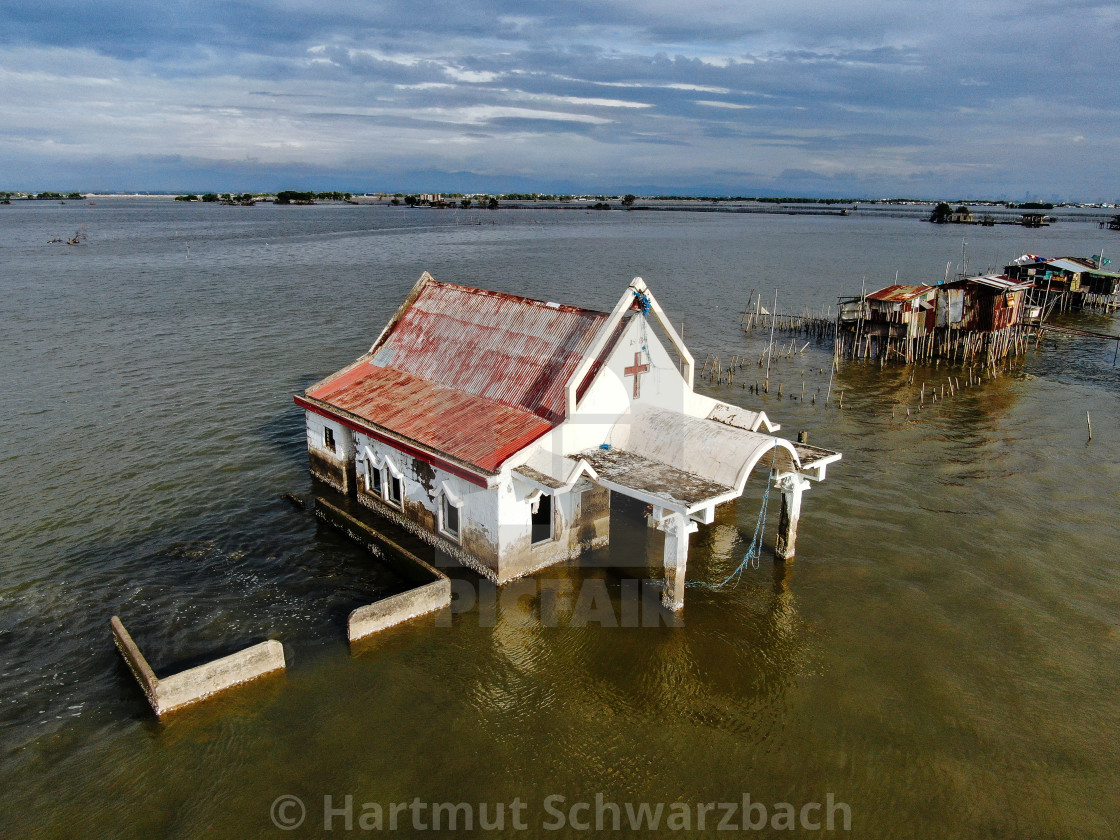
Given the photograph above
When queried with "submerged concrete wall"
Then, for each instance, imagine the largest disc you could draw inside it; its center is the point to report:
(395, 609)
(198, 683)
(432, 593)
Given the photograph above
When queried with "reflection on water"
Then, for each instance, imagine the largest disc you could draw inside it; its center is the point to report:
(942, 655)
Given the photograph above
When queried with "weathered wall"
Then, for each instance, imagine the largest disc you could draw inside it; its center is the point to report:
(196, 684)
(334, 468)
(593, 528)
(396, 609)
(477, 546)
(580, 522)
(432, 591)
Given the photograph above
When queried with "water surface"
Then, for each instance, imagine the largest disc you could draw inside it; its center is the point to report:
(942, 656)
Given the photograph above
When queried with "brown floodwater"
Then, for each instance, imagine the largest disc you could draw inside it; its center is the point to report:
(942, 658)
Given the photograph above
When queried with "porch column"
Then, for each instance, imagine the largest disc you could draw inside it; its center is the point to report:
(677, 527)
(792, 486)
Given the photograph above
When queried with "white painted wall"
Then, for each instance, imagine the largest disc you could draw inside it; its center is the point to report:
(611, 393)
(479, 504)
(343, 437)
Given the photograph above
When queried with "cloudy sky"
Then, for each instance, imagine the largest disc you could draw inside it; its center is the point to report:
(949, 99)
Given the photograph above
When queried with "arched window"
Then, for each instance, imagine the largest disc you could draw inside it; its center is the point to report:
(372, 472)
(450, 514)
(394, 484)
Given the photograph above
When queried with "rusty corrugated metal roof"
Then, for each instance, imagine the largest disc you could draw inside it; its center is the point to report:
(474, 374)
(899, 292)
(471, 429)
(514, 350)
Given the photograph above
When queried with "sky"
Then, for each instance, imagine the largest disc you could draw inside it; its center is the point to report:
(978, 99)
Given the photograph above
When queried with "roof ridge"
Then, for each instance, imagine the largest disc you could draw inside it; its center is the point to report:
(563, 307)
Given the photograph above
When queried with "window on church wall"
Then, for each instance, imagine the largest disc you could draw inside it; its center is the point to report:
(542, 519)
(449, 518)
(396, 490)
(328, 438)
(373, 479)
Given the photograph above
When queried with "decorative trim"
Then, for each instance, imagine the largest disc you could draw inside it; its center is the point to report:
(435, 540)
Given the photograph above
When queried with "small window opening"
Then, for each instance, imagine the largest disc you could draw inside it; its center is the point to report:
(373, 480)
(395, 489)
(328, 438)
(542, 519)
(450, 518)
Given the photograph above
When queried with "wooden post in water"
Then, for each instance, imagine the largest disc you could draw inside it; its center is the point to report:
(770, 349)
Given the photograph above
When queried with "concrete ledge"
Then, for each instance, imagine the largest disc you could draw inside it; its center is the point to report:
(198, 683)
(432, 593)
(395, 609)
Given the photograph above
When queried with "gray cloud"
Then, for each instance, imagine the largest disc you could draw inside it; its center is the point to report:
(838, 97)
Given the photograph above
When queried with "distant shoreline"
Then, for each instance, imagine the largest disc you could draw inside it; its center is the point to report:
(521, 201)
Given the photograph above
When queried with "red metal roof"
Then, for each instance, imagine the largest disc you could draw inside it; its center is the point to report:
(473, 374)
(468, 428)
(514, 350)
(899, 293)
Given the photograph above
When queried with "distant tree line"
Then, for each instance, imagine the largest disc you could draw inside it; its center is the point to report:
(296, 197)
(490, 202)
(50, 196)
(282, 197)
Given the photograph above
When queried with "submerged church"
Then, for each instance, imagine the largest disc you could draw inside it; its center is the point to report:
(495, 427)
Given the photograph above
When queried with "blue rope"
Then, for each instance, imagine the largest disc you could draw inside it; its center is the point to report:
(755, 550)
(643, 302)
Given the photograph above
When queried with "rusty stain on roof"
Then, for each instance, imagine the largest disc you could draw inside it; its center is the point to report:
(899, 293)
(471, 429)
(474, 374)
(514, 350)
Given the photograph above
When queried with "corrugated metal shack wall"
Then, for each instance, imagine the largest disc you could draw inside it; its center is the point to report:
(972, 312)
(910, 312)
(512, 350)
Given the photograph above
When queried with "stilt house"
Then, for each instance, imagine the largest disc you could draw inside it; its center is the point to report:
(988, 303)
(901, 311)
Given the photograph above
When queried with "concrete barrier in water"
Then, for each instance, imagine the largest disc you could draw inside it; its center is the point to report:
(198, 683)
(395, 609)
(432, 593)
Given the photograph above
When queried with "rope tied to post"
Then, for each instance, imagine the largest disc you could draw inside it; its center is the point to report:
(754, 551)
